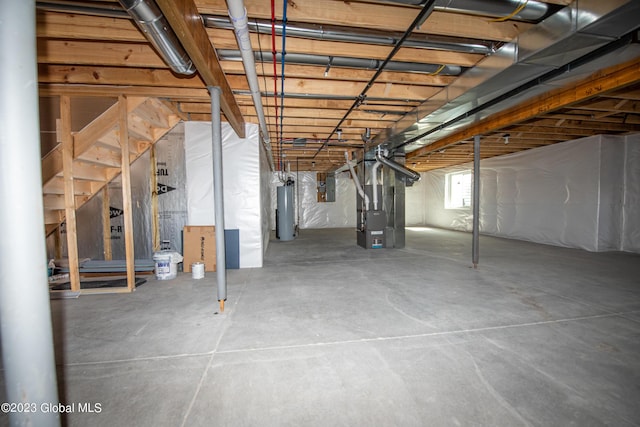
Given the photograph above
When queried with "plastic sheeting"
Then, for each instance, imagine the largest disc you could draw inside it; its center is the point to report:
(242, 187)
(171, 188)
(89, 219)
(582, 193)
(309, 213)
(265, 199)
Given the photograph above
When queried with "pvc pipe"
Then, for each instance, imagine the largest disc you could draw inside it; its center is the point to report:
(238, 16)
(25, 314)
(357, 182)
(374, 183)
(475, 247)
(412, 175)
(218, 194)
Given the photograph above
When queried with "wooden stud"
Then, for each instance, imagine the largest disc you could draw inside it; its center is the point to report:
(153, 182)
(106, 224)
(66, 138)
(126, 192)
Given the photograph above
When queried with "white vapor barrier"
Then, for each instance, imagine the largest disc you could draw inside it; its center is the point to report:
(309, 213)
(265, 198)
(171, 188)
(241, 181)
(582, 193)
(89, 219)
(630, 240)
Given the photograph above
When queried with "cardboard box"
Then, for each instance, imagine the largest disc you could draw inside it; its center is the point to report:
(199, 246)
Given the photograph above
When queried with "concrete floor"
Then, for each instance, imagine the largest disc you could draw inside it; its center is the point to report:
(329, 334)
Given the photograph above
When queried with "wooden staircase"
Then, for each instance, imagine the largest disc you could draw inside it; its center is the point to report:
(97, 153)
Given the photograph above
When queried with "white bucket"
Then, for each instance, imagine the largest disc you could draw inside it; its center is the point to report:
(165, 268)
(197, 270)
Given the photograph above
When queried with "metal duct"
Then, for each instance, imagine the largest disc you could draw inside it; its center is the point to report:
(99, 9)
(569, 34)
(339, 61)
(525, 10)
(148, 17)
(410, 174)
(529, 10)
(324, 32)
(238, 15)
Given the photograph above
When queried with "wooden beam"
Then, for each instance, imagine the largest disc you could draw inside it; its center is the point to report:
(185, 21)
(127, 213)
(604, 80)
(377, 16)
(66, 139)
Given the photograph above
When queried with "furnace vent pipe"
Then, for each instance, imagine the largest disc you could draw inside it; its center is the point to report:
(148, 17)
(356, 181)
(410, 174)
(374, 183)
(238, 15)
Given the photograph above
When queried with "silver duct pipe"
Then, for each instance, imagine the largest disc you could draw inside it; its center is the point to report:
(82, 8)
(218, 195)
(529, 11)
(410, 174)
(238, 15)
(25, 315)
(331, 33)
(148, 17)
(339, 61)
(356, 181)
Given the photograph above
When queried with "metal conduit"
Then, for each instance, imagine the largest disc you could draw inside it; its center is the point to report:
(282, 62)
(340, 61)
(331, 33)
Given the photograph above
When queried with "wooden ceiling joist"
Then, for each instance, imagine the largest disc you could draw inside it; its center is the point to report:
(184, 18)
(605, 80)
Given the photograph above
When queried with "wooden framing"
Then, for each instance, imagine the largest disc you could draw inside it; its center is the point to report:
(66, 139)
(125, 173)
(106, 224)
(183, 16)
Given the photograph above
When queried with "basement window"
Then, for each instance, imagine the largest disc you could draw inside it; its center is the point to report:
(457, 191)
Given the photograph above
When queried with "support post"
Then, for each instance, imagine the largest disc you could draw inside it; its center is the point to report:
(25, 315)
(475, 247)
(125, 168)
(218, 194)
(66, 138)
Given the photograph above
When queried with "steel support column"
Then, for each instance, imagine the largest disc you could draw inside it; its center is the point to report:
(475, 248)
(25, 314)
(218, 194)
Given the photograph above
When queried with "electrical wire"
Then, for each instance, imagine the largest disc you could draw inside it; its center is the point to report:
(512, 14)
(283, 61)
(275, 79)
